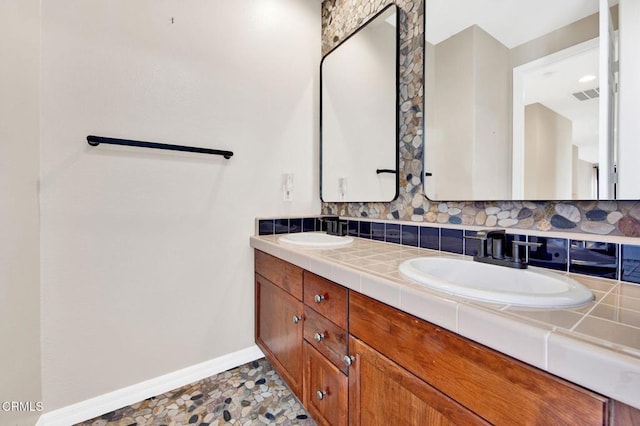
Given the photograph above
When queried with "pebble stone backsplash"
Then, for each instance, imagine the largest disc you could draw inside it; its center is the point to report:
(252, 394)
(340, 18)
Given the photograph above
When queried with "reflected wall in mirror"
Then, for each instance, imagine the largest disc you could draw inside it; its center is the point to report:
(520, 100)
(359, 113)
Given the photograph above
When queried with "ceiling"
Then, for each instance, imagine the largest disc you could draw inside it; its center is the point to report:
(512, 22)
(553, 86)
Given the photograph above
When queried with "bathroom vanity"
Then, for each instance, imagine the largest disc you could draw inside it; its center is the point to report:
(353, 355)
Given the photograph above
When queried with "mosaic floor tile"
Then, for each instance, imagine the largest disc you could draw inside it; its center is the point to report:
(252, 394)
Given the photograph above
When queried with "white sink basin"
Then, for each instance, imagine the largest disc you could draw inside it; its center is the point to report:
(315, 240)
(532, 287)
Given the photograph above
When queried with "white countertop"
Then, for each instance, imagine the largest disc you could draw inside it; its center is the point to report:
(596, 346)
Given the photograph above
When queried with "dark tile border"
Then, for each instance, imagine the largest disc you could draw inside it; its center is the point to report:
(594, 258)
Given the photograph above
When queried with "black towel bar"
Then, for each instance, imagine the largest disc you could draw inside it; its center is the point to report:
(97, 140)
(378, 171)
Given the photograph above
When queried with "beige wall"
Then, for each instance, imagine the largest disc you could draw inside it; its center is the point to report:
(492, 136)
(549, 154)
(562, 38)
(146, 264)
(19, 228)
(448, 143)
(467, 138)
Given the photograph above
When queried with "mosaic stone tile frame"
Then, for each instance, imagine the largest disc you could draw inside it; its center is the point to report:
(341, 18)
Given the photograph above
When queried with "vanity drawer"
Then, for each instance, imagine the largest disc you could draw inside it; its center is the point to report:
(329, 339)
(283, 274)
(326, 297)
(325, 389)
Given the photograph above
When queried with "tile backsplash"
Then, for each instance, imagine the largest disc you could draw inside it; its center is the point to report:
(588, 257)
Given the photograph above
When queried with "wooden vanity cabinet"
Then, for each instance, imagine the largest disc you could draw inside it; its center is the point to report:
(279, 317)
(403, 370)
(497, 388)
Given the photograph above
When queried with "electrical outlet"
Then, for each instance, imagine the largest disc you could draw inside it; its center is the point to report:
(287, 186)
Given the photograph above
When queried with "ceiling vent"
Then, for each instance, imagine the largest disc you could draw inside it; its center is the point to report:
(587, 94)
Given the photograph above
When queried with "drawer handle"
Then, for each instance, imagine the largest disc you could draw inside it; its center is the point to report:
(318, 337)
(321, 394)
(348, 360)
(296, 319)
(319, 298)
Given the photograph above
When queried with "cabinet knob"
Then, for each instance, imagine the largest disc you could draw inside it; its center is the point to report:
(321, 394)
(319, 298)
(348, 360)
(318, 337)
(296, 319)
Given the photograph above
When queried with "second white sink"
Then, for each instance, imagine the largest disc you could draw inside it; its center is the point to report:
(315, 240)
(532, 287)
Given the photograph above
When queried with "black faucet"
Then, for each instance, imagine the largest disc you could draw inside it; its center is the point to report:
(492, 249)
(335, 226)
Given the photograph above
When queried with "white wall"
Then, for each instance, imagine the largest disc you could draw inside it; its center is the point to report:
(629, 125)
(146, 264)
(583, 177)
(19, 227)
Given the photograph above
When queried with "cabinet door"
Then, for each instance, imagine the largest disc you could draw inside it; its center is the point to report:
(383, 393)
(279, 331)
(325, 389)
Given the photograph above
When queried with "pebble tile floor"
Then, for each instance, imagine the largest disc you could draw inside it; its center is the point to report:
(252, 394)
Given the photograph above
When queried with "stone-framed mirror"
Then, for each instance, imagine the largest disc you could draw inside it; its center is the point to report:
(490, 132)
(359, 114)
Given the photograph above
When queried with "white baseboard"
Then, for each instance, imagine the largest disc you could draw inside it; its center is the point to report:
(108, 402)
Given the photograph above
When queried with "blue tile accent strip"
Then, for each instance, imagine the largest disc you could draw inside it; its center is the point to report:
(392, 233)
(430, 238)
(471, 246)
(265, 227)
(451, 240)
(552, 254)
(308, 224)
(631, 263)
(409, 235)
(365, 230)
(295, 225)
(606, 260)
(593, 258)
(377, 231)
(352, 228)
(281, 226)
